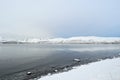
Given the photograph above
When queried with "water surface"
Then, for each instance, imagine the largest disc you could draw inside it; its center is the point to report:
(20, 57)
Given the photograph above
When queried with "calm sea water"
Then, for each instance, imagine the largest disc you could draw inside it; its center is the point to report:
(19, 57)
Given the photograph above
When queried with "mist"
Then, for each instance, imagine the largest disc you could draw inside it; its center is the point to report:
(21, 19)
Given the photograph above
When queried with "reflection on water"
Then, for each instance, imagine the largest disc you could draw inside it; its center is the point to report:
(18, 57)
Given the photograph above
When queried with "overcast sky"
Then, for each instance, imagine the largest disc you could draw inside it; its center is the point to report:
(59, 18)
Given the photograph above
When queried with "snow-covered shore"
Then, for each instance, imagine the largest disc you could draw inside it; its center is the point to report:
(72, 40)
(103, 70)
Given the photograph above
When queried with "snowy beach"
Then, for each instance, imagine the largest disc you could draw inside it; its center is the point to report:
(103, 70)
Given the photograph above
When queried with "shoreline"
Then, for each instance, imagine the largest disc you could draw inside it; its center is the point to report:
(38, 73)
(107, 69)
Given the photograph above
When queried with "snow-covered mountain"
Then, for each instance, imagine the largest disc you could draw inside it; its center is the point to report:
(89, 39)
(72, 40)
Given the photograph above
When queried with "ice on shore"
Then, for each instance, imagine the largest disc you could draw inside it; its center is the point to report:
(103, 70)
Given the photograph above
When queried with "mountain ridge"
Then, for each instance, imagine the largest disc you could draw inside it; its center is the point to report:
(73, 40)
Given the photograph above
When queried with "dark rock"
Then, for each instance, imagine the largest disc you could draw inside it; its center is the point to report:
(77, 60)
(29, 73)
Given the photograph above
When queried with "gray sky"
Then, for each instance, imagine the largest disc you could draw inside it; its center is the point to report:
(59, 18)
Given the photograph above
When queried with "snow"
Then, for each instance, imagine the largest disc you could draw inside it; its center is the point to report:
(87, 39)
(91, 39)
(33, 40)
(103, 70)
